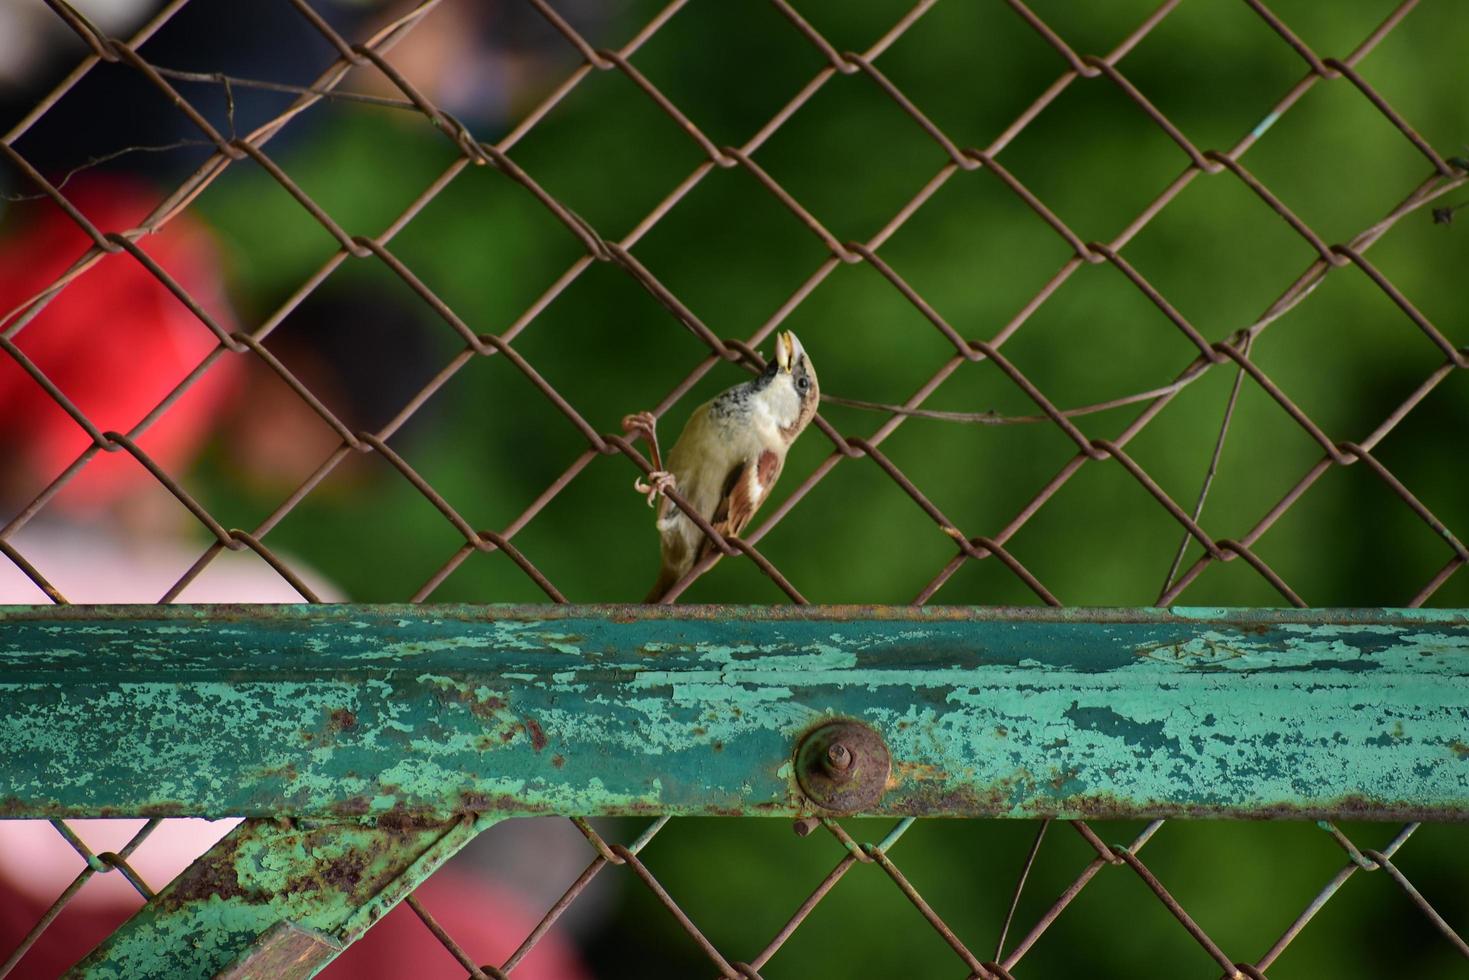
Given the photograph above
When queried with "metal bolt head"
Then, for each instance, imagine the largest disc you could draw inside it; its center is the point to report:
(843, 767)
(839, 757)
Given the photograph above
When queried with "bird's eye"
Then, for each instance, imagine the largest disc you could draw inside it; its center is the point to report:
(803, 384)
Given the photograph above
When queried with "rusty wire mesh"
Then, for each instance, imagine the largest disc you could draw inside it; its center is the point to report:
(1009, 950)
(1442, 175)
(1003, 961)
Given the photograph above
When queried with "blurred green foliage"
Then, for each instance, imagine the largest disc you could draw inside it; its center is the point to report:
(734, 255)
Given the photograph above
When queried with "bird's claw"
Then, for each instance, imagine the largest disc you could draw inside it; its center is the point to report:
(646, 424)
(643, 422)
(659, 481)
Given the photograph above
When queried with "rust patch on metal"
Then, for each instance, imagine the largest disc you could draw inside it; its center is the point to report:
(212, 876)
(931, 798)
(344, 873)
(405, 820)
(150, 810)
(537, 736)
(471, 802)
(352, 806)
(488, 708)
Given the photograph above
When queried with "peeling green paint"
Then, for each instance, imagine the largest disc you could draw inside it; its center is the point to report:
(433, 711)
(328, 882)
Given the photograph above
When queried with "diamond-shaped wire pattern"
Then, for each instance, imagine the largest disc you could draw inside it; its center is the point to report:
(1232, 354)
(1006, 958)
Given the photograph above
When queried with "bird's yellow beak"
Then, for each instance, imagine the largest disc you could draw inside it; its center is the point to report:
(785, 350)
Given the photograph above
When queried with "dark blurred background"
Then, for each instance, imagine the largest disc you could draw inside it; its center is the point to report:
(490, 443)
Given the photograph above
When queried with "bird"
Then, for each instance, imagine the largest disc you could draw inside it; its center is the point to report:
(727, 458)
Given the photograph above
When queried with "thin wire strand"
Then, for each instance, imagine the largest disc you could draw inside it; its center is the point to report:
(1213, 468)
(1035, 849)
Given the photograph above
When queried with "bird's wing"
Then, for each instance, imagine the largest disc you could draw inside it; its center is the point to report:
(686, 462)
(745, 489)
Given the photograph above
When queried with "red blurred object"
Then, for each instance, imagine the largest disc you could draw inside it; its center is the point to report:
(77, 929)
(486, 920)
(115, 341)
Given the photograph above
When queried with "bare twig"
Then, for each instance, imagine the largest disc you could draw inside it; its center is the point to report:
(1239, 377)
(97, 161)
(1035, 849)
(994, 418)
(107, 158)
(219, 78)
(229, 102)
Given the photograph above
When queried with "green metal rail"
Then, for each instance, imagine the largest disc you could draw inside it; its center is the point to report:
(416, 713)
(381, 739)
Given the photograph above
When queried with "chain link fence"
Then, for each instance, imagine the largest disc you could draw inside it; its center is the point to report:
(364, 73)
